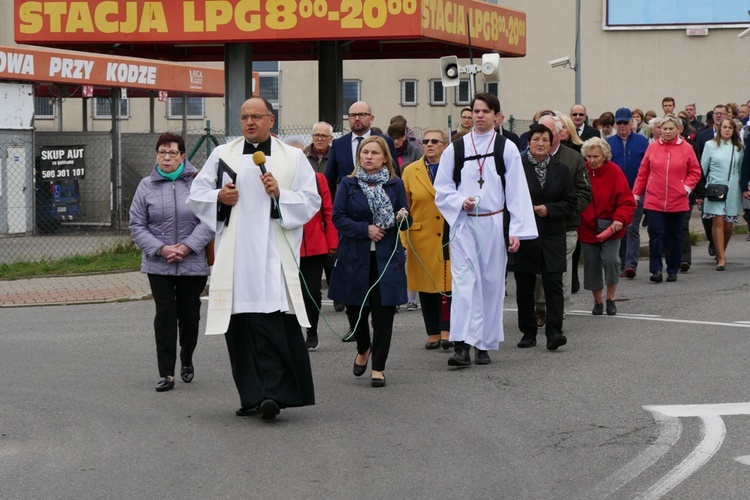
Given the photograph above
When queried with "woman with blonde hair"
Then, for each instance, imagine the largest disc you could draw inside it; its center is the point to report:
(370, 206)
(569, 134)
(668, 174)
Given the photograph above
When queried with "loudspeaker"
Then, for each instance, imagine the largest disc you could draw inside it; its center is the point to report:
(449, 71)
(491, 67)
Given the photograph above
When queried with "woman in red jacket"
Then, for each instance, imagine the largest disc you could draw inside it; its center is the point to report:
(603, 223)
(319, 240)
(668, 173)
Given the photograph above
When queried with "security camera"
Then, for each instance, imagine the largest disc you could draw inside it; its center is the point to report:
(556, 63)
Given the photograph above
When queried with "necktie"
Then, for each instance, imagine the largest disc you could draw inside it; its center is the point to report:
(359, 143)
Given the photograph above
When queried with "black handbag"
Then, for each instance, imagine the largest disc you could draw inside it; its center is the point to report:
(603, 224)
(716, 192)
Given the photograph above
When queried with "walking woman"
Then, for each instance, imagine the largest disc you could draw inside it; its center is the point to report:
(603, 224)
(369, 206)
(429, 269)
(668, 174)
(553, 196)
(721, 162)
(172, 241)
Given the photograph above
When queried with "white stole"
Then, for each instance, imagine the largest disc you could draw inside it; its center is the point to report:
(222, 273)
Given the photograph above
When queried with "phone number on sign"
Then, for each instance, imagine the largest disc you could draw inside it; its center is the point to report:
(62, 173)
(285, 14)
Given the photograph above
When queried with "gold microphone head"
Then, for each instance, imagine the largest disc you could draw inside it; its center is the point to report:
(259, 157)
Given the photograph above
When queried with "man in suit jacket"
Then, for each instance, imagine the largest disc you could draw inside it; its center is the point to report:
(341, 158)
(578, 115)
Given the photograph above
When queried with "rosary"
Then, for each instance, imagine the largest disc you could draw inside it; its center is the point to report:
(484, 158)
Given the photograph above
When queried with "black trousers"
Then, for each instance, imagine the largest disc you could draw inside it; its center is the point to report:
(436, 319)
(553, 291)
(382, 322)
(178, 309)
(269, 359)
(311, 269)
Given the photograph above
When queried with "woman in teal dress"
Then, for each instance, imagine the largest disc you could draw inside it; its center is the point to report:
(721, 161)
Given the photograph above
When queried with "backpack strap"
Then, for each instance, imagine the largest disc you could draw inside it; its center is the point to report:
(459, 159)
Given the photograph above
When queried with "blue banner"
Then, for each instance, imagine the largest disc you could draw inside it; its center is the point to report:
(637, 13)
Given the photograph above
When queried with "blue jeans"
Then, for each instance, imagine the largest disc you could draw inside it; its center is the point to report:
(665, 226)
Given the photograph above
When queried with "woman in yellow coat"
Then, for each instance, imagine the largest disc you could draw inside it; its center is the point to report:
(428, 271)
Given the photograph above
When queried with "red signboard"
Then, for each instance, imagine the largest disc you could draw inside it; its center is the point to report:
(79, 68)
(223, 21)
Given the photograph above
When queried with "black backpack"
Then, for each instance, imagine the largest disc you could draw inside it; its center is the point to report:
(458, 164)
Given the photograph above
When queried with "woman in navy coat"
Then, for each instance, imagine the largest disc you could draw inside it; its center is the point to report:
(370, 206)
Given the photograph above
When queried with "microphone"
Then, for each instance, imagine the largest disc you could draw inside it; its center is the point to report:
(259, 158)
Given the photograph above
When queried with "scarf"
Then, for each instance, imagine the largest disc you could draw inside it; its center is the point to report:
(377, 199)
(172, 176)
(540, 167)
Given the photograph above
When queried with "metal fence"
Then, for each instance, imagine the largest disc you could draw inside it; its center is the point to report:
(64, 193)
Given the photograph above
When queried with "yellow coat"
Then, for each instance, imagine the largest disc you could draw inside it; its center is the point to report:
(425, 235)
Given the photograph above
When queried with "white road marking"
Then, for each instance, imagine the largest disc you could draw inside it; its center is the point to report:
(713, 436)
(670, 429)
(667, 416)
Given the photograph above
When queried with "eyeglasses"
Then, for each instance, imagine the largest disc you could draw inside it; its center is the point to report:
(255, 118)
(171, 152)
(577, 114)
(321, 136)
(359, 115)
(431, 141)
(467, 117)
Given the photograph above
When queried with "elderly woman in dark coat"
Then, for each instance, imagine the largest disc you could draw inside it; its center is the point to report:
(369, 207)
(553, 196)
(173, 242)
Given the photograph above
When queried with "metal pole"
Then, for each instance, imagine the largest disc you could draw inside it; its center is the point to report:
(473, 79)
(578, 51)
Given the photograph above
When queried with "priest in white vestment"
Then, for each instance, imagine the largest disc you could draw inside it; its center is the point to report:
(255, 297)
(474, 210)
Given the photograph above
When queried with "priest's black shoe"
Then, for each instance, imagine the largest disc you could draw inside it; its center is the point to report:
(527, 341)
(481, 357)
(461, 356)
(556, 341)
(187, 373)
(269, 409)
(165, 384)
(656, 277)
(248, 411)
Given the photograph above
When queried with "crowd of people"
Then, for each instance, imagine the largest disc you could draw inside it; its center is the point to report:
(394, 219)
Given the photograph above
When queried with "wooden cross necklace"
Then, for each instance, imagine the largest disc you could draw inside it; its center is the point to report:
(481, 161)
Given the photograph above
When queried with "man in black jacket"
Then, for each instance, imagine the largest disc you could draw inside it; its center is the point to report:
(578, 115)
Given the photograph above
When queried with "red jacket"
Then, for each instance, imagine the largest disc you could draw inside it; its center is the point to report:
(319, 235)
(666, 170)
(611, 198)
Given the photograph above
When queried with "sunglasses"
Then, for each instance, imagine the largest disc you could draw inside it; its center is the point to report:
(431, 141)
(577, 114)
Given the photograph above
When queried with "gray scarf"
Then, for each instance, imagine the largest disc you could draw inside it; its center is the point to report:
(377, 199)
(540, 167)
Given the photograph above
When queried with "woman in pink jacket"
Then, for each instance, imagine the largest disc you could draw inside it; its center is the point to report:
(668, 173)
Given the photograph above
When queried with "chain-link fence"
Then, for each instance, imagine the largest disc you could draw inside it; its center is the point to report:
(64, 193)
